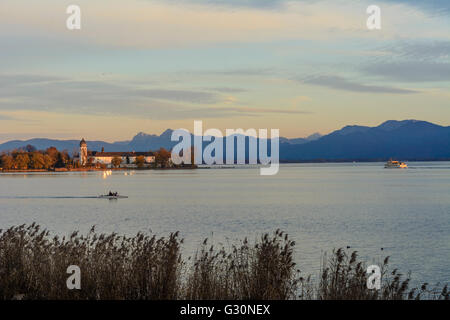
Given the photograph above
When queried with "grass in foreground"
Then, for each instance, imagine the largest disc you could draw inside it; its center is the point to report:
(33, 266)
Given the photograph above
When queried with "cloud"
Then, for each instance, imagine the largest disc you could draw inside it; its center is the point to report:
(64, 95)
(267, 110)
(227, 89)
(227, 112)
(421, 60)
(242, 72)
(422, 49)
(180, 95)
(340, 83)
(36, 86)
(162, 24)
(4, 117)
(23, 79)
(410, 71)
(261, 4)
(42, 93)
(16, 118)
(436, 7)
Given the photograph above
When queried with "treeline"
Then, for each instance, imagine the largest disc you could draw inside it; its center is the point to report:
(29, 158)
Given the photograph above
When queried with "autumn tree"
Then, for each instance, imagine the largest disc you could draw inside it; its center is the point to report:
(37, 160)
(22, 161)
(62, 158)
(33, 159)
(162, 157)
(140, 161)
(7, 161)
(48, 161)
(116, 161)
(52, 152)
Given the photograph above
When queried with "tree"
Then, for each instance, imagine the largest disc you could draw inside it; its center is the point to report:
(22, 161)
(6, 161)
(48, 162)
(52, 152)
(61, 159)
(116, 161)
(33, 159)
(37, 160)
(162, 157)
(30, 148)
(140, 161)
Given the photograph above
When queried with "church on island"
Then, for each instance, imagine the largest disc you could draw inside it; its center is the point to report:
(128, 159)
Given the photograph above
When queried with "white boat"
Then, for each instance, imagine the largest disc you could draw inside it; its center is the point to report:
(393, 164)
(106, 196)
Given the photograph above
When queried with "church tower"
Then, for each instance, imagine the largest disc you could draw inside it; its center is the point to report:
(83, 152)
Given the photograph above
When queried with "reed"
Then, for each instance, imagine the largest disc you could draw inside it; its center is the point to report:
(262, 271)
(33, 265)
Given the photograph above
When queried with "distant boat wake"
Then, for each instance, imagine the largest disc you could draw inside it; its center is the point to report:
(49, 197)
(436, 167)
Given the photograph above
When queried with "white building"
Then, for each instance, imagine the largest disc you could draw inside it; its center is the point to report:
(106, 158)
(127, 158)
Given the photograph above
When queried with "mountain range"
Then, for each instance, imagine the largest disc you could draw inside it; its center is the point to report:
(403, 140)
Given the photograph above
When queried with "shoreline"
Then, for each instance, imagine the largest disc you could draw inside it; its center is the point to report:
(89, 169)
(203, 166)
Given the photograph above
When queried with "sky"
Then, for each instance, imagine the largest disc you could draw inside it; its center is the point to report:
(300, 66)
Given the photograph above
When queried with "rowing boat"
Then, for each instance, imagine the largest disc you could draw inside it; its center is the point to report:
(105, 196)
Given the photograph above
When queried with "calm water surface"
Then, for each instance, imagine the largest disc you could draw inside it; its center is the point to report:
(322, 206)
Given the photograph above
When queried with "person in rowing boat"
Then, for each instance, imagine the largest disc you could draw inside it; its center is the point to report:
(110, 193)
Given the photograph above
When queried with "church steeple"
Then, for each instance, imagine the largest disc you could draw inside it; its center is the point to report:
(83, 152)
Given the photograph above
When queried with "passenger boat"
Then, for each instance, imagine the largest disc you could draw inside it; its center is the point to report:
(393, 164)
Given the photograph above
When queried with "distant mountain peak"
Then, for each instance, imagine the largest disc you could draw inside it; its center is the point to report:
(141, 134)
(395, 124)
(351, 129)
(313, 136)
(166, 133)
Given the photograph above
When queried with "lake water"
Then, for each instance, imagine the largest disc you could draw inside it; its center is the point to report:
(321, 206)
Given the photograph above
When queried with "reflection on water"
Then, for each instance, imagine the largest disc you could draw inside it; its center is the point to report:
(107, 173)
(322, 206)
